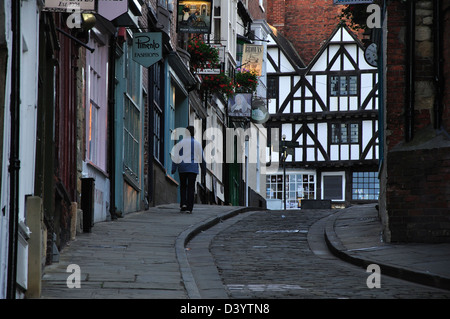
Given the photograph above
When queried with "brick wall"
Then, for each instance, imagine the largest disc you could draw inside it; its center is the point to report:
(256, 12)
(395, 74)
(277, 14)
(418, 195)
(416, 173)
(306, 23)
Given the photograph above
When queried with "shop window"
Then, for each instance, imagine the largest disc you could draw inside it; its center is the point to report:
(365, 186)
(298, 187)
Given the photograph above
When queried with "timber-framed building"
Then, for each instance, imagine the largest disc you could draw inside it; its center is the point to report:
(330, 108)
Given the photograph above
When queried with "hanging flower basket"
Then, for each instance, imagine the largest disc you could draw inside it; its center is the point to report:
(355, 15)
(246, 81)
(202, 55)
(221, 84)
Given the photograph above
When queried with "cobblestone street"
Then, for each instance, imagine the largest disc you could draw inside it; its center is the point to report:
(279, 254)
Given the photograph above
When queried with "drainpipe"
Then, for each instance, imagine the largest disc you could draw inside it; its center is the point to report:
(437, 64)
(112, 126)
(14, 162)
(410, 74)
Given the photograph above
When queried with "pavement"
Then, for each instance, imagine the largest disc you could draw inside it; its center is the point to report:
(144, 254)
(354, 235)
(139, 256)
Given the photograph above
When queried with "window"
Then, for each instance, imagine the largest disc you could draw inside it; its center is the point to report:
(132, 75)
(156, 100)
(132, 118)
(333, 186)
(272, 87)
(97, 106)
(298, 187)
(217, 24)
(92, 143)
(344, 133)
(343, 85)
(365, 186)
(131, 139)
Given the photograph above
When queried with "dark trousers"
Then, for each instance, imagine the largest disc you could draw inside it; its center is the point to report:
(187, 190)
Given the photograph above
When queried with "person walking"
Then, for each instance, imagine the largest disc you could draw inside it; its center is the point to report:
(187, 155)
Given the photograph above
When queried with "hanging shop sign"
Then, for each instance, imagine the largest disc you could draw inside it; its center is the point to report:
(260, 114)
(67, 5)
(111, 9)
(194, 16)
(240, 105)
(252, 58)
(147, 48)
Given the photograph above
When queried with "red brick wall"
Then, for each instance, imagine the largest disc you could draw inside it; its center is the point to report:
(276, 16)
(307, 23)
(395, 74)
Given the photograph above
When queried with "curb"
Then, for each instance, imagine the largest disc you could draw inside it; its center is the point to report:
(185, 236)
(337, 248)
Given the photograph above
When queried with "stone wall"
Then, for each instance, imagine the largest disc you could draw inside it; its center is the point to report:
(415, 175)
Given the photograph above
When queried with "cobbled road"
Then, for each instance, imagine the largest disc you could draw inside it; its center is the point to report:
(282, 254)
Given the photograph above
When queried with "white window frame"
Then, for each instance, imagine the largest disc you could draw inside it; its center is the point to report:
(341, 173)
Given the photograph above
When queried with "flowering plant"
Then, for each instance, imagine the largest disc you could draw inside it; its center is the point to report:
(218, 83)
(202, 54)
(246, 80)
(355, 15)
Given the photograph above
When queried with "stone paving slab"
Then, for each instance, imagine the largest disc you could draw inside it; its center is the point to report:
(141, 255)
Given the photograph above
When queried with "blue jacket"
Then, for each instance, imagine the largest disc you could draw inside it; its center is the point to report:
(187, 155)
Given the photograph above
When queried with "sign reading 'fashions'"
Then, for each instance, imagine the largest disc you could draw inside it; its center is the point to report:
(147, 48)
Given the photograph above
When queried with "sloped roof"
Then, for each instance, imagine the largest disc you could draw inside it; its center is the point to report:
(287, 47)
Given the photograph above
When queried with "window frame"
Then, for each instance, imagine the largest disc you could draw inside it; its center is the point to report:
(156, 97)
(363, 184)
(328, 174)
(304, 179)
(272, 86)
(336, 136)
(338, 92)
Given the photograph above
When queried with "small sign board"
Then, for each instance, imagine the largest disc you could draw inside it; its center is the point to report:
(352, 1)
(208, 71)
(67, 5)
(147, 48)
